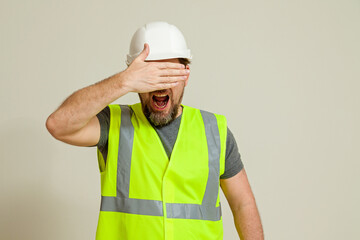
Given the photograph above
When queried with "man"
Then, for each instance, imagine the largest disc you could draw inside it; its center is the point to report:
(161, 162)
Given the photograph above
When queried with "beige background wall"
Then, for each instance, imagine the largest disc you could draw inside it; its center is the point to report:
(285, 73)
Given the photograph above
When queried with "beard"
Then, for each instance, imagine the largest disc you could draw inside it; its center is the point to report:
(159, 118)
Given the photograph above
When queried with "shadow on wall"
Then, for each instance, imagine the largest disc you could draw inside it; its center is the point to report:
(29, 208)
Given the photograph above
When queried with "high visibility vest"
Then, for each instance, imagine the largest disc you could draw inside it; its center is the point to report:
(147, 196)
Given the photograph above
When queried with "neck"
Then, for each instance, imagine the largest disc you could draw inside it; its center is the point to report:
(180, 109)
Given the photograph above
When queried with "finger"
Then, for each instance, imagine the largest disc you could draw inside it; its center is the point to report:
(145, 52)
(163, 65)
(172, 72)
(167, 85)
(172, 79)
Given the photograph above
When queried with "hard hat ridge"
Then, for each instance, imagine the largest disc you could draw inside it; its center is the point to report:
(165, 41)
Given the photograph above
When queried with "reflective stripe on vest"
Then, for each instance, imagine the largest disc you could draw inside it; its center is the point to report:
(122, 203)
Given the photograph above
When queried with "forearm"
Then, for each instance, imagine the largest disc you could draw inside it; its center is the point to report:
(82, 106)
(248, 223)
(75, 112)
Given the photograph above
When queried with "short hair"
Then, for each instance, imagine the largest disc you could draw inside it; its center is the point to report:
(184, 61)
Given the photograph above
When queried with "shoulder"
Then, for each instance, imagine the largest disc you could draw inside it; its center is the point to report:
(115, 110)
(214, 122)
(205, 112)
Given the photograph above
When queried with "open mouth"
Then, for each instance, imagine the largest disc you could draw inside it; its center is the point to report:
(160, 101)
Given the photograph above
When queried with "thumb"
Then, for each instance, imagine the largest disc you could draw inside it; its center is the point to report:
(145, 52)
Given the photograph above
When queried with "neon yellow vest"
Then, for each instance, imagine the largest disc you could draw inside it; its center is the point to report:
(144, 196)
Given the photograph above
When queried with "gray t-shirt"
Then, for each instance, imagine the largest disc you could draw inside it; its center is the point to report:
(168, 135)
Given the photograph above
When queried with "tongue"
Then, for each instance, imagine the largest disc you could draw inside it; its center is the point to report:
(160, 101)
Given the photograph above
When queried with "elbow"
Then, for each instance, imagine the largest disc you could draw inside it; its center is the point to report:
(53, 127)
(240, 206)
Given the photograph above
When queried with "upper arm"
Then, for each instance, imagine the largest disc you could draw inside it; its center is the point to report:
(88, 135)
(237, 190)
(233, 163)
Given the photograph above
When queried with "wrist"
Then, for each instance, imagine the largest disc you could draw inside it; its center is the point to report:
(121, 82)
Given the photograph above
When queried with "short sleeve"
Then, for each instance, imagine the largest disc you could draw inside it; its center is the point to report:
(233, 163)
(104, 119)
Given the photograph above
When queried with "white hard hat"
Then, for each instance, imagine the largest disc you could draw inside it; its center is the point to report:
(165, 41)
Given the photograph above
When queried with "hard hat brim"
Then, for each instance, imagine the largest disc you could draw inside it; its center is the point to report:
(161, 55)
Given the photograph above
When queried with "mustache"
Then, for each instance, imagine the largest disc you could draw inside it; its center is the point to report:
(163, 91)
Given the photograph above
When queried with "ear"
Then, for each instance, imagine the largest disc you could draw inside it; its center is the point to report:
(187, 79)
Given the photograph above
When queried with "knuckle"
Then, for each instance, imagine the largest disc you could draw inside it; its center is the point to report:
(151, 65)
(155, 72)
(159, 65)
